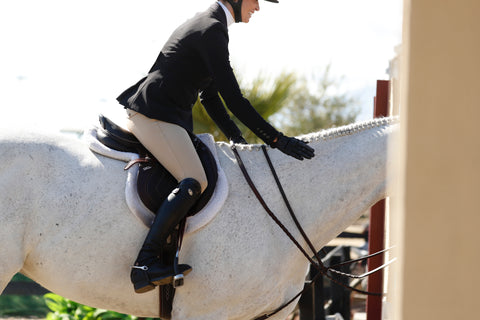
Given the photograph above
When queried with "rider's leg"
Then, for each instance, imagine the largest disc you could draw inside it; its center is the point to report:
(171, 145)
(149, 269)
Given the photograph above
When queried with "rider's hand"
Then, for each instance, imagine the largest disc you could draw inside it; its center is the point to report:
(293, 147)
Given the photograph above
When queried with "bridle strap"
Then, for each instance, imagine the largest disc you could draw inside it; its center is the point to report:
(307, 240)
(290, 210)
(265, 206)
(317, 264)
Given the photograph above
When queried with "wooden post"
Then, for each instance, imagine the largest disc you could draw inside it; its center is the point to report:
(376, 235)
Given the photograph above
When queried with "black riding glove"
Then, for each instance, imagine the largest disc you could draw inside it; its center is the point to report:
(238, 140)
(293, 147)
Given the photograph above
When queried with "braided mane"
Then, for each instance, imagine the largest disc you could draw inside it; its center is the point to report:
(349, 129)
(333, 133)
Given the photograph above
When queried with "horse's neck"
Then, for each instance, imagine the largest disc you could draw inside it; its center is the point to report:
(346, 176)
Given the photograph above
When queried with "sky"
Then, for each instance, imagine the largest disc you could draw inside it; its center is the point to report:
(62, 62)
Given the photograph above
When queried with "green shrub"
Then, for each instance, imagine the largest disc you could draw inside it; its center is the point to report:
(22, 306)
(65, 309)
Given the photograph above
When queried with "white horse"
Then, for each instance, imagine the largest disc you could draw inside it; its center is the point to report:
(65, 224)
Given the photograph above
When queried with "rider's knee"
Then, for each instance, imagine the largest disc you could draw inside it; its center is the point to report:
(202, 181)
(201, 178)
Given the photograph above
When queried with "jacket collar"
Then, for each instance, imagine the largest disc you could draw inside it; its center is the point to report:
(217, 12)
(228, 14)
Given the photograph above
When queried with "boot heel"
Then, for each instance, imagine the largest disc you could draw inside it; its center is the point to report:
(149, 270)
(140, 279)
(143, 287)
(162, 280)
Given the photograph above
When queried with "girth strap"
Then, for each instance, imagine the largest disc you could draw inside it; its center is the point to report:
(167, 292)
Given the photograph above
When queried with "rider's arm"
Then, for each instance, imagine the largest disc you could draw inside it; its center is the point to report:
(217, 57)
(215, 109)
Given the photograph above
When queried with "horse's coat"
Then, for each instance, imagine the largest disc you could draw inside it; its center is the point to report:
(65, 224)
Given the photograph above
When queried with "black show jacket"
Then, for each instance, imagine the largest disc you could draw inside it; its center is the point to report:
(194, 60)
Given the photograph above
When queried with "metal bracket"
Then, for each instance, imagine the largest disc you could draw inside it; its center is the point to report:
(178, 280)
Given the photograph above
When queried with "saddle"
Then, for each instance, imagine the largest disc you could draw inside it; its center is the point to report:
(154, 184)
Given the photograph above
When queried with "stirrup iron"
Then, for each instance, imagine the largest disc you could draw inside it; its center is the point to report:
(178, 280)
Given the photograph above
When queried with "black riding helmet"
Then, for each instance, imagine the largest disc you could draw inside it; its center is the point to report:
(237, 8)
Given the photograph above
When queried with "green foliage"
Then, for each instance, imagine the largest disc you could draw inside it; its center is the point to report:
(14, 305)
(316, 104)
(22, 306)
(65, 309)
(20, 277)
(295, 105)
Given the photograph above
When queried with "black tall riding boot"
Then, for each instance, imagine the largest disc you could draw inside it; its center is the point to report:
(149, 270)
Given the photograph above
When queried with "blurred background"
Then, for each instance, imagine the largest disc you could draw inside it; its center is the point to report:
(64, 61)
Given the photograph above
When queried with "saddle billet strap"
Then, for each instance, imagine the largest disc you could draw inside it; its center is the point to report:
(319, 265)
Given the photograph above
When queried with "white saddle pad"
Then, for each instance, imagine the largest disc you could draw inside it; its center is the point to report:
(199, 220)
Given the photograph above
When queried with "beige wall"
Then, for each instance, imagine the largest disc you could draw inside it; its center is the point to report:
(436, 216)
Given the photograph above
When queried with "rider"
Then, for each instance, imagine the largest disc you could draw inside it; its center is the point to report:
(159, 107)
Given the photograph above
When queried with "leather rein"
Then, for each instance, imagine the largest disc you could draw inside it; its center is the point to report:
(316, 261)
